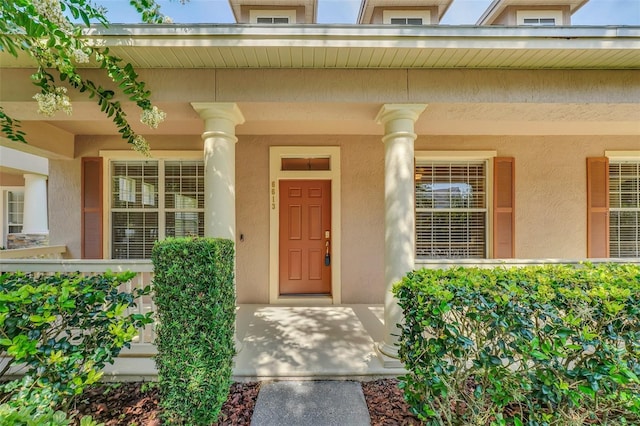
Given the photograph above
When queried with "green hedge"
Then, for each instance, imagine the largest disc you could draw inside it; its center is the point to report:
(540, 345)
(63, 329)
(195, 300)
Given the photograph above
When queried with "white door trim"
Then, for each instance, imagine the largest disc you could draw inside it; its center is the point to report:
(276, 153)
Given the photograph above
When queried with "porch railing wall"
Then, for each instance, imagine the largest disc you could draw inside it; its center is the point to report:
(44, 252)
(143, 343)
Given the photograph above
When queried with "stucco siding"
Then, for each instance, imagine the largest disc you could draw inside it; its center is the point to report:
(8, 179)
(252, 220)
(64, 205)
(550, 198)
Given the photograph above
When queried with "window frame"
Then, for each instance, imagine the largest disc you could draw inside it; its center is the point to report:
(617, 157)
(130, 156)
(8, 223)
(462, 156)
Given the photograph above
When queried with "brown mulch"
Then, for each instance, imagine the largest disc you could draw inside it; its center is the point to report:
(386, 404)
(136, 404)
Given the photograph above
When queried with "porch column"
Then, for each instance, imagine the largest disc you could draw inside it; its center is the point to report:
(220, 120)
(35, 220)
(399, 223)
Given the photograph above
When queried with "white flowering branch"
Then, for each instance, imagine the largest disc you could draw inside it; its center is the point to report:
(42, 29)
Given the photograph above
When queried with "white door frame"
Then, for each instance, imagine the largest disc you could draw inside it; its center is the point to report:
(276, 154)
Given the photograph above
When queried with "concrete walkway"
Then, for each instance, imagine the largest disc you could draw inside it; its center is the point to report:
(309, 403)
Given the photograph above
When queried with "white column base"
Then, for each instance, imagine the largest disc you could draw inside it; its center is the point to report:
(387, 355)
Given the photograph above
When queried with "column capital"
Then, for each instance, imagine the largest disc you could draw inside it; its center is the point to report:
(34, 176)
(219, 110)
(390, 112)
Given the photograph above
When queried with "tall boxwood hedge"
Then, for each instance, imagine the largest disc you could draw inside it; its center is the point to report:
(195, 300)
(541, 345)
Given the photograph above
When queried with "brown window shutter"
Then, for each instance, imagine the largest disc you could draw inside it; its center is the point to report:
(503, 208)
(91, 207)
(597, 207)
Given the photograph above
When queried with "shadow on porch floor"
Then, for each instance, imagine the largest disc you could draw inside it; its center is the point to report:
(293, 342)
(280, 342)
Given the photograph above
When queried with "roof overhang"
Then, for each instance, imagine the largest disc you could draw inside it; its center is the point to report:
(367, 7)
(310, 7)
(368, 47)
(498, 6)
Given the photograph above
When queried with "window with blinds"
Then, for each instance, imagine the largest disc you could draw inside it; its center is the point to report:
(151, 200)
(451, 209)
(15, 211)
(624, 209)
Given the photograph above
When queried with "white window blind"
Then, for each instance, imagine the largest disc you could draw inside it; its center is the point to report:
(15, 211)
(184, 198)
(140, 215)
(451, 209)
(624, 209)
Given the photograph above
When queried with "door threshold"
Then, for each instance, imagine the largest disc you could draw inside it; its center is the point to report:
(304, 300)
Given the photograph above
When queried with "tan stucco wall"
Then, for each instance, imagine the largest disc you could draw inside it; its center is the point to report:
(11, 179)
(338, 85)
(64, 205)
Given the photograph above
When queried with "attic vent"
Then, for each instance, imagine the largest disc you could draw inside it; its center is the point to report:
(539, 17)
(272, 20)
(539, 21)
(406, 17)
(406, 21)
(272, 16)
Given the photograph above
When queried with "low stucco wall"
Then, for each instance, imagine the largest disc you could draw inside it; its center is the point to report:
(550, 199)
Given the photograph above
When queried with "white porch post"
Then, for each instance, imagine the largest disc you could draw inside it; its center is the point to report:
(220, 120)
(35, 220)
(399, 233)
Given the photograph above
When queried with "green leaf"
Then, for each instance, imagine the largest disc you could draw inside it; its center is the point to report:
(587, 391)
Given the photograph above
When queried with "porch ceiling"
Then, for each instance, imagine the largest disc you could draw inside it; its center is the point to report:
(366, 46)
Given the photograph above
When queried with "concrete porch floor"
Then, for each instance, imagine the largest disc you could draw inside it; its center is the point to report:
(323, 342)
(293, 342)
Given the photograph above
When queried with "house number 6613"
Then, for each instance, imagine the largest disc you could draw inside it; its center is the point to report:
(273, 195)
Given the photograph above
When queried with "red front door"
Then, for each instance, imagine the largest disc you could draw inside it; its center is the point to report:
(305, 237)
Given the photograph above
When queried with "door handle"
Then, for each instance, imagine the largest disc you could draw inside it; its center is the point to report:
(327, 256)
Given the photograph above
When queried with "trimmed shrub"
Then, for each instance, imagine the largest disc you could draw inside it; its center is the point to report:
(541, 345)
(195, 300)
(64, 329)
